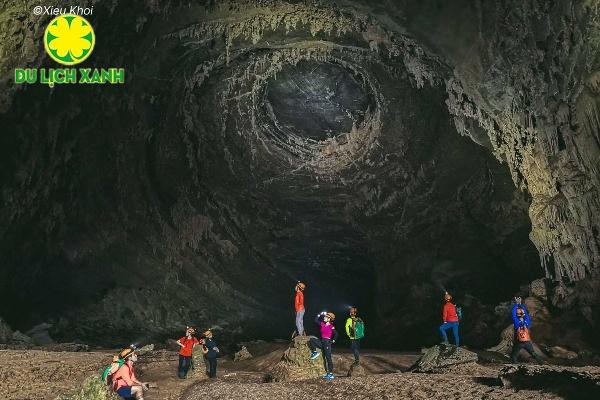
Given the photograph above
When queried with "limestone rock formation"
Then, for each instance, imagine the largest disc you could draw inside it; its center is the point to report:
(242, 354)
(561, 352)
(5, 332)
(436, 358)
(357, 370)
(296, 364)
(71, 347)
(20, 339)
(40, 334)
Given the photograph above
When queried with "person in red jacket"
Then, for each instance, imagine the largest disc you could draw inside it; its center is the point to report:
(187, 344)
(450, 320)
(299, 307)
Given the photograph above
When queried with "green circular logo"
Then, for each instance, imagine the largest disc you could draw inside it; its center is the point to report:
(69, 39)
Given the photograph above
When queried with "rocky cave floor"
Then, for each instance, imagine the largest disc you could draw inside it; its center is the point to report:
(42, 374)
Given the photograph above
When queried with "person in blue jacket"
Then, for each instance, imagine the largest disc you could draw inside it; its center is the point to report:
(210, 350)
(522, 338)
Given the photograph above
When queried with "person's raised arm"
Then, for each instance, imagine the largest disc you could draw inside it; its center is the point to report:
(317, 319)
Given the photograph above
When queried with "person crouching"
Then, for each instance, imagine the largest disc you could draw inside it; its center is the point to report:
(124, 381)
(187, 344)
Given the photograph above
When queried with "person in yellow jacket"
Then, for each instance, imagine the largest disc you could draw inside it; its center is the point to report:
(355, 329)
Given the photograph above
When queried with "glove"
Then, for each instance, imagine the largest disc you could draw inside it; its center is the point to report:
(216, 349)
(333, 341)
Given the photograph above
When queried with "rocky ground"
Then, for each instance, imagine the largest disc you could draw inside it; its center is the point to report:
(38, 374)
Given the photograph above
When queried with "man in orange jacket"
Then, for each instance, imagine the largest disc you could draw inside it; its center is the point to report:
(299, 306)
(450, 320)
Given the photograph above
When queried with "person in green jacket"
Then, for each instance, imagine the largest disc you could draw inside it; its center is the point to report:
(355, 329)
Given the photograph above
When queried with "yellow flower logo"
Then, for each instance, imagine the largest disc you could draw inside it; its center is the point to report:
(69, 39)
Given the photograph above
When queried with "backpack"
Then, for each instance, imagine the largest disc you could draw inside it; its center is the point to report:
(459, 313)
(107, 375)
(359, 329)
(523, 334)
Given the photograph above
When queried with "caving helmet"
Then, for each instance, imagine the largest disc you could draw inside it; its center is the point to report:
(301, 285)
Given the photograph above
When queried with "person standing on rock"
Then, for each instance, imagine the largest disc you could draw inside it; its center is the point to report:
(355, 329)
(210, 351)
(522, 338)
(328, 336)
(187, 344)
(450, 320)
(299, 307)
(124, 381)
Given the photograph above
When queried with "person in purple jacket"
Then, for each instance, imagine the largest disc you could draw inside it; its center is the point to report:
(328, 336)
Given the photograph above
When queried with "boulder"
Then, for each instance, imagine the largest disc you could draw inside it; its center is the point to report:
(436, 358)
(357, 370)
(21, 339)
(538, 289)
(537, 310)
(506, 341)
(145, 349)
(5, 332)
(72, 347)
(40, 335)
(242, 355)
(296, 364)
(563, 297)
(561, 352)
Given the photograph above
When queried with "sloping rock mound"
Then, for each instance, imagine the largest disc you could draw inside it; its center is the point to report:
(569, 382)
(40, 335)
(21, 339)
(441, 356)
(295, 364)
(5, 332)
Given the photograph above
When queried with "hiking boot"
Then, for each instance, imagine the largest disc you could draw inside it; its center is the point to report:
(329, 376)
(314, 355)
(356, 363)
(445, 343)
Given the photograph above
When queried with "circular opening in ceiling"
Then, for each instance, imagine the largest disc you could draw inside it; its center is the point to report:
(317, 100)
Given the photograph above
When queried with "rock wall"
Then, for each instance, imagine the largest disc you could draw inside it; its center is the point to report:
(182, 196)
